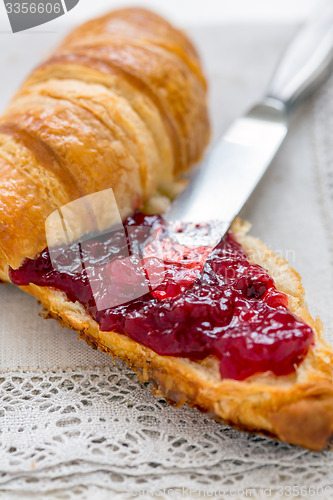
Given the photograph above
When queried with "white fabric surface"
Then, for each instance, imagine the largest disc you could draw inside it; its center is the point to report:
(74, 426)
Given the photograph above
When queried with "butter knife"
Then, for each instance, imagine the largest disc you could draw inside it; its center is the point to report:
(227, 178)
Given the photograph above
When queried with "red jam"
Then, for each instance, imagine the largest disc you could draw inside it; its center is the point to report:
(222, 306)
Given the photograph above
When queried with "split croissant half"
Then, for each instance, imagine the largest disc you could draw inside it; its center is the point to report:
(121, 104)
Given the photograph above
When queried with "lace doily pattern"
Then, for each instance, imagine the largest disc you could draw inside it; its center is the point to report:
(102, 428)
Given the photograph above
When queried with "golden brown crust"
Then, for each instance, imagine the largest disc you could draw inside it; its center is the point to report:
(297, 408)
(120, 104)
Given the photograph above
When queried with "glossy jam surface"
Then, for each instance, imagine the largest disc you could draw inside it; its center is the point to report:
(176, 302)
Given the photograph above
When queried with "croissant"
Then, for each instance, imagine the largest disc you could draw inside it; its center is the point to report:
(121, 105)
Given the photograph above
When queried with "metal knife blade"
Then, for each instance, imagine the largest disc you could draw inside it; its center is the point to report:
(227, 178)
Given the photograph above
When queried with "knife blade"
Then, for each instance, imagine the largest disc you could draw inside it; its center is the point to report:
(227, 178)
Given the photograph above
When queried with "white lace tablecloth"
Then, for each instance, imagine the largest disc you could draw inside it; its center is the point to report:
(75, 426)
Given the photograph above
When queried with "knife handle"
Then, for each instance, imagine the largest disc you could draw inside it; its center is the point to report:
(307, 61)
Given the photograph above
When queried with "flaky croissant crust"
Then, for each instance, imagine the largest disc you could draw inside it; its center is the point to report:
(120, 104)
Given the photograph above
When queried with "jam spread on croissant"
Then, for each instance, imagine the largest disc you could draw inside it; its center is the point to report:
(188, 304)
